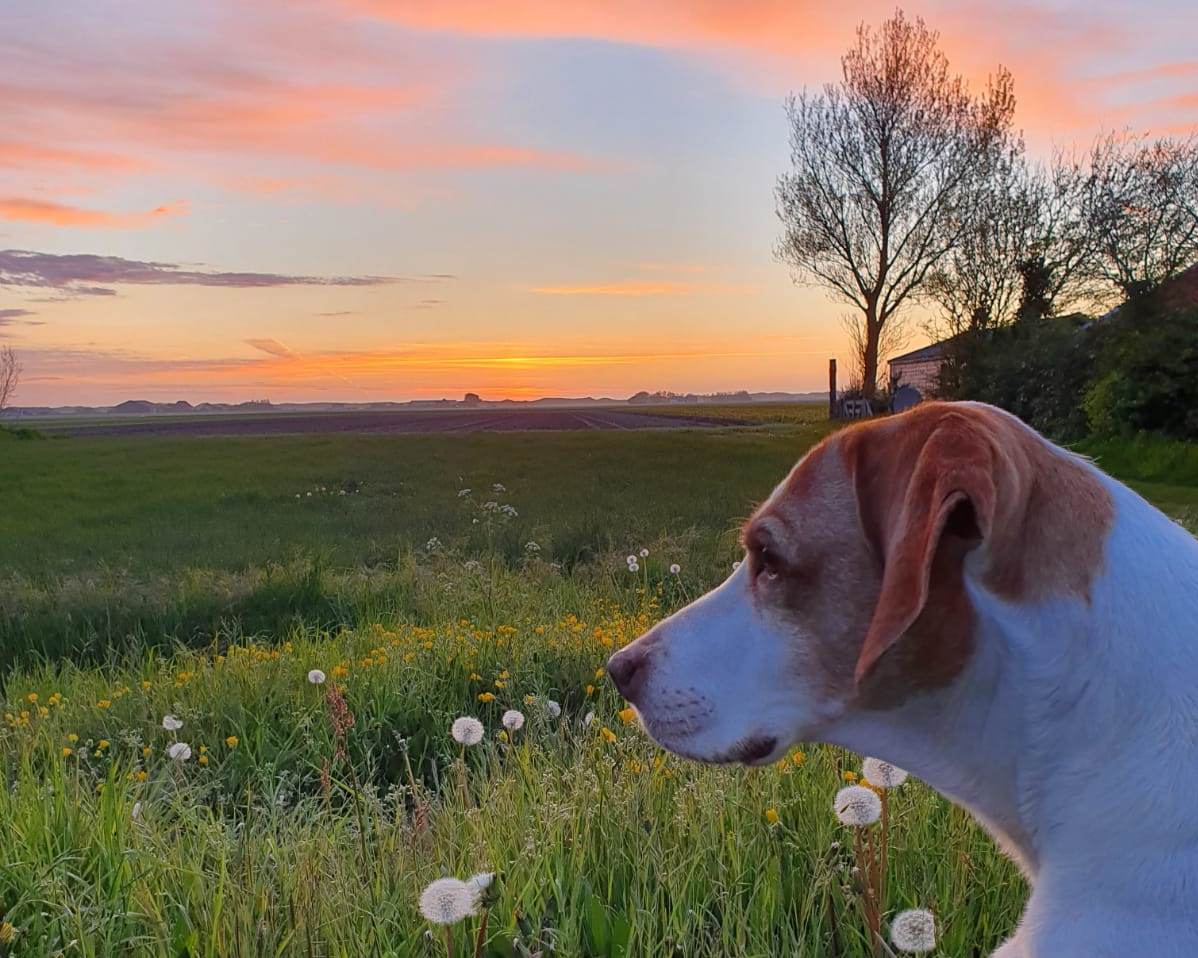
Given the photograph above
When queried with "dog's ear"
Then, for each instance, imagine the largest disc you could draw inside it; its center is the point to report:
(926, 496)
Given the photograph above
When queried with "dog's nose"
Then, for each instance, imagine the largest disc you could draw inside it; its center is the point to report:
(627, 669)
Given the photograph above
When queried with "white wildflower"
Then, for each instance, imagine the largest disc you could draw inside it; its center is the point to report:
(180, 751)
(513, 720)
(467, 730)
(316, 677)
(463, 493)
(588, 718)
(433, 545)
(554, 710)
(736, 565)
(675, 568)
(499, 487)
(634, 567)
(644, 553)
(446, 901)
(479, 884)
(171, 724)
(914, 931)
(882, 774)
(531, 546)
(631, 560)
(857, 805)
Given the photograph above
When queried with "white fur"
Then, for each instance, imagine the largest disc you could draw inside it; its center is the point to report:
(1072, 734)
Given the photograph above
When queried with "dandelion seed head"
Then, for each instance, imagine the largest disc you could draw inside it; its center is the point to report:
(467, 730)
(553, 708)
(857, 805)
(513, 720)
(316, 677)
(180, 751)
(631, 560)
(644, 553)
(882, 774)
(135, 814)
(675, 568)
(914, 931)
(634, 567)
(446, 901)
(171, 724)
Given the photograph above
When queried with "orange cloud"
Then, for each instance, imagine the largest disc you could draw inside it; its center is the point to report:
(636, 288)
(37, 157)
(25, 210)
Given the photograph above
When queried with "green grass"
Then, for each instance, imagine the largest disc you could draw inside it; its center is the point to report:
(141, 576)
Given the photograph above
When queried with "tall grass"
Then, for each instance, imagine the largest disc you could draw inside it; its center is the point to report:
(603, 845)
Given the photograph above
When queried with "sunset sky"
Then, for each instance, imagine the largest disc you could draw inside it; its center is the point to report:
(376, 199)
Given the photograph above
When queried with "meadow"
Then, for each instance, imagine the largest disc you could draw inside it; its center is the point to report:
(423, 578)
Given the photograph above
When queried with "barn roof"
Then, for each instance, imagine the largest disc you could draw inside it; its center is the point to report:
(923, 354)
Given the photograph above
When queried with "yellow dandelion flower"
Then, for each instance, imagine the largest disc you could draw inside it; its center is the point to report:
(31, 697)
(66, 751)
(145, 685)
(7, 933)
(627, 716)
(529, 699)
(475, 677)
(232, 741)
(486, 697)
(141, 775)
(599, 673)
(849, 776)
(43, 711)
(72, 737)
(798, 758)
(590, 690)
(203, 749)
(104, 703)
(146, 750)
(203, 759)
(502, 735)
(103, 743)
(607, 734)
(771, 816)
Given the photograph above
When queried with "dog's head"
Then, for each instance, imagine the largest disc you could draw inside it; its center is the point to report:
(851, 592)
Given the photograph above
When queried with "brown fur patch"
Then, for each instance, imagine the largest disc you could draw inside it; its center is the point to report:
(873, 527)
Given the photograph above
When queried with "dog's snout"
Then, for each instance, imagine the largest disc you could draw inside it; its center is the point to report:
(627, 669)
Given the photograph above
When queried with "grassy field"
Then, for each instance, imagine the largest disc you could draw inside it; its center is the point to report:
(205, 578)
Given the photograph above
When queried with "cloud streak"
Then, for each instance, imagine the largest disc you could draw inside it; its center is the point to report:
(636, 288)
(22, 209)
(272, 347)
(86, 274)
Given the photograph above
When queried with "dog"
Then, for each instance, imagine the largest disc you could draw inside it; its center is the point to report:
(948, 591)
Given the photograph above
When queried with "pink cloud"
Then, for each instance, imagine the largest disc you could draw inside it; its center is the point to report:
(25, 210)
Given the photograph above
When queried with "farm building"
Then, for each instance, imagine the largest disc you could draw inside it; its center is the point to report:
(919, 368)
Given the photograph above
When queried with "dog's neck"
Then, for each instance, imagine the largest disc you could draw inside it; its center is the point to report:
(1074, 718)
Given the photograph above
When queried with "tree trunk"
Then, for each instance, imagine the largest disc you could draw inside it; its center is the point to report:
(869, 358)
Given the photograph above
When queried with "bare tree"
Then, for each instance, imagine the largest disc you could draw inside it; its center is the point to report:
(977, 283)
(10, 375)
(1141, 205)
(885, 167)
(1029, 223)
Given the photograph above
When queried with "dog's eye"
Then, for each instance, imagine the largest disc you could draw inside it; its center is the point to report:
(767, 563)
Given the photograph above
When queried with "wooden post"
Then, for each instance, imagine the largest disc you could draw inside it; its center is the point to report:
(831, 388)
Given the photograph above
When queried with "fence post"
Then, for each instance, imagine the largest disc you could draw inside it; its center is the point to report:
(831, 388)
